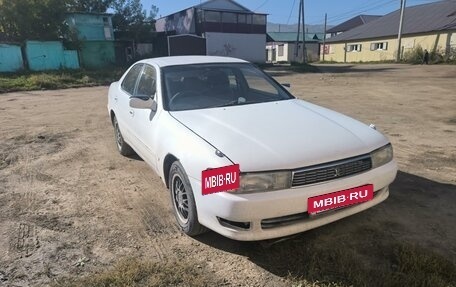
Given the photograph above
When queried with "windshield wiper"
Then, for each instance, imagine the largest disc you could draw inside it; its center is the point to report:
(239, 101)
(230, 103)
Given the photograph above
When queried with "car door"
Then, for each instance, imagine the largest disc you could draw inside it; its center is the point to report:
(145, 120)
(124, 113)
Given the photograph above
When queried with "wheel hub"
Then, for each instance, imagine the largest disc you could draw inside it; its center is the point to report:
(180, 199)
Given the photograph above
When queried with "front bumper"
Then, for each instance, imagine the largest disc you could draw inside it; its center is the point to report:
(270, 207)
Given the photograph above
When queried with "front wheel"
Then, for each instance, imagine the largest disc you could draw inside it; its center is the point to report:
(183, 201)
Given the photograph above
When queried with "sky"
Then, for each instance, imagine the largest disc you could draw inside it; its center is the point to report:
(281, 11)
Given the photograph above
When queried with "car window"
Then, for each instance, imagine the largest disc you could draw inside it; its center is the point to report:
(200, 86)
(147, 83)
(129, 82)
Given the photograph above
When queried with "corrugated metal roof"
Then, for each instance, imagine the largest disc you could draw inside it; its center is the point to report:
(90, 13)
(423, 18)
(368, 18)
(291, 37)
(223, 5)
(352, 23)
(218, 5)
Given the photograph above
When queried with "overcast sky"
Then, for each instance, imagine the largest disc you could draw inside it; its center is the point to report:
(279, 10)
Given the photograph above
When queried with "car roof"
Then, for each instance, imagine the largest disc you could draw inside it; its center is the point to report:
(187, 60)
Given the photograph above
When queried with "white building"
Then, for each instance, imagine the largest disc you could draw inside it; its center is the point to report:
(216, 27)
(281, 47)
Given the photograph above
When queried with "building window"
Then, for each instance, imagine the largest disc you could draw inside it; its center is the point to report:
(212, 16)
(242, 18)
(249, 19)
(259, 19)
(379, 46)
(354, 48)
(107, 28)
(280, 53)
(107, 33)
(229, 17)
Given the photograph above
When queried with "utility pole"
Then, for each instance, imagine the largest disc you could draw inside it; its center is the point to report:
(304, 51)
(299, 32)
(399, 34)
(324, 37)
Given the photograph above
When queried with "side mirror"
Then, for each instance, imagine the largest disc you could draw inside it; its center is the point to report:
(143, 103)
(287, 85)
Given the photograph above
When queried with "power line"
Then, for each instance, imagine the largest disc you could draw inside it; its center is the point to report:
(264, 3)
(364, 8)
(361, 9)
(291, 11)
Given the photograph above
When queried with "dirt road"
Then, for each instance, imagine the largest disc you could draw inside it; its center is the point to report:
(71, 206)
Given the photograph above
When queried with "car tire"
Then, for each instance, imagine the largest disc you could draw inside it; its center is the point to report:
(122, 146)
(183, 201)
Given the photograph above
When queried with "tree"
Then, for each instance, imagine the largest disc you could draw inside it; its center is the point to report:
(22, 20)
(98, 6)
(127, 13)
(130, 18)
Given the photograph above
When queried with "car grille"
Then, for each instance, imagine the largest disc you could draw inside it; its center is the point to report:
(330, 171)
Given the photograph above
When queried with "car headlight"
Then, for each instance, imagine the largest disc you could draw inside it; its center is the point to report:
(382, 156)
(264, 181)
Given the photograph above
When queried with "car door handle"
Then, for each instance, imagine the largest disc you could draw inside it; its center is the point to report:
(132, 113)
(115, 99)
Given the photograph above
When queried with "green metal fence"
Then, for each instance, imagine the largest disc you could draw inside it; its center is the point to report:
(10, 58)
(98, 54)
(49, 55)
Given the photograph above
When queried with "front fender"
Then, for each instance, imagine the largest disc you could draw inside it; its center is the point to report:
(194, 153)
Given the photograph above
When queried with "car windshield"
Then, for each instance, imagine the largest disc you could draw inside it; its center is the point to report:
(202, 86)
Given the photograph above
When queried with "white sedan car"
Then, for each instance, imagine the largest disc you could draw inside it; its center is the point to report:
(300, 165)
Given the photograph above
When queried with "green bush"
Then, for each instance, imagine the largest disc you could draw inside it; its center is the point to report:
(415, 56)
(27, 81)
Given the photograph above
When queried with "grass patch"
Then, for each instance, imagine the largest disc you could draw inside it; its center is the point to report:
(399, 265)
(133, 272)
(27, 81)
(363, 257)
(418, 267)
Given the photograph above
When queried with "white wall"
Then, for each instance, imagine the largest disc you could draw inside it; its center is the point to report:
(250, 47)
(289, 52)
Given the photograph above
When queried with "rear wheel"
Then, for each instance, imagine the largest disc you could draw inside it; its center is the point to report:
(183, 201)
(122, 146)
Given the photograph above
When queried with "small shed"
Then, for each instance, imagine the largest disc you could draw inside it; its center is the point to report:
(181, 45)
(91, 26)
(96, 34)
(281, 46)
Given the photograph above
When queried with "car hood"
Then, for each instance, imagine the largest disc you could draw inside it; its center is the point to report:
(281, 135)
